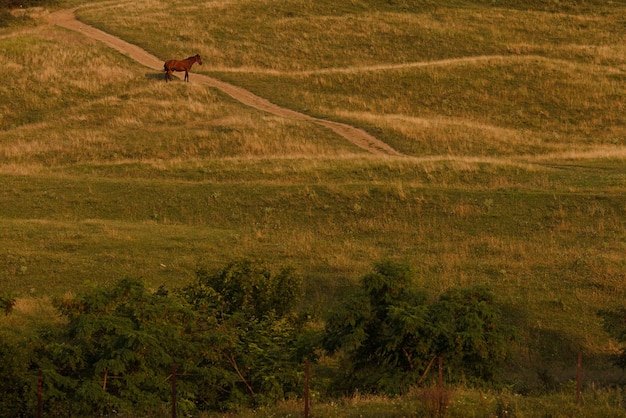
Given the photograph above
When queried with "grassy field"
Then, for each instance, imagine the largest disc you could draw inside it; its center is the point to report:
(510, 118)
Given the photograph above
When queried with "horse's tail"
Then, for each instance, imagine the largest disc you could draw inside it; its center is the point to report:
(165, 67)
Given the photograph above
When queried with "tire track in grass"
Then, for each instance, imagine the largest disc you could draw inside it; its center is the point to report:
(360, 138)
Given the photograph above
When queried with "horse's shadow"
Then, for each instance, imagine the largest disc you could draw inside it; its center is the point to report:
(155, 76)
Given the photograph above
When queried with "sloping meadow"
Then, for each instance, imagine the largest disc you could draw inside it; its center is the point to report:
(511, 121)
(552, 78)
(73, 100)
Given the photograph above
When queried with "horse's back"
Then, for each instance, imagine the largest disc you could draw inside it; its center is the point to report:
(169, 64)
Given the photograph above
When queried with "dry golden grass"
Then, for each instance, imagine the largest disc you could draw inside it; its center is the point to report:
(82, 103)
(513, 120)
(462, 124)
(29, 310)
(440, 135)
(303, 35)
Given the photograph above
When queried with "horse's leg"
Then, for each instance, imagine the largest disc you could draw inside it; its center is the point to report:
(186, 76)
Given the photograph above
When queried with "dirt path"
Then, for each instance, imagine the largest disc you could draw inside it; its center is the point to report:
(66, 19)
(386, 67)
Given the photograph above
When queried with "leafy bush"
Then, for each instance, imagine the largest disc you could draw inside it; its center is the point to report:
(16, 381)
(468, 333)
(233, 336)
(267, 341)
(389, 333)
(251, 289)
(383, 331)
(115, 351)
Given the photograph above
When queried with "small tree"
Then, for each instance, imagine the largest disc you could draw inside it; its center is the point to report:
(250, 288)
(17, 383)
(116, 350)
(468, 332)
(388, 332)
(267, 339)
(383, 332)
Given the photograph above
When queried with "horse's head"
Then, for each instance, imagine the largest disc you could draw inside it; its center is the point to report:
(198, 59)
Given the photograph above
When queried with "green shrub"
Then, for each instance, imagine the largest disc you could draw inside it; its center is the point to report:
(383, 330)
(468, 333)
(252, 289)
(234, 338)
(390, 333)
(17, 382)
(268, 341)
(116, 350)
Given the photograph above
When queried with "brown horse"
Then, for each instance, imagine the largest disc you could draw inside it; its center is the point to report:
(184, 65)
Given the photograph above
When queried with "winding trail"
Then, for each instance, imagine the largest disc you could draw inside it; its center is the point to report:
(387, 67)
(360, 138)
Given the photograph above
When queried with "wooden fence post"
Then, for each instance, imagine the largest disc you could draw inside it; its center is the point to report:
(173, 391)
(579, 377)
(307, 399)
(441, 372)
(440, 395)
(40, 395)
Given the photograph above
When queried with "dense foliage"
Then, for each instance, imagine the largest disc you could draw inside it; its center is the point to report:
(390, 333)
(17, 385)
(267, 341)
(236, 339)
(233, 337)
(116, 350)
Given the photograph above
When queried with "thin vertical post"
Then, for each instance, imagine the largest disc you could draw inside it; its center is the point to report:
(104, 380)
(40, 395)
(307, 400)
(440, 372)
(579, 377)
(173, 391)
(440, 395)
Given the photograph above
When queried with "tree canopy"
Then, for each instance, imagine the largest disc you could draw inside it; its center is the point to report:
(236, 338)
(389, 332)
